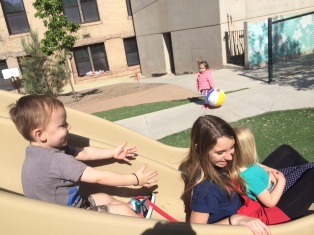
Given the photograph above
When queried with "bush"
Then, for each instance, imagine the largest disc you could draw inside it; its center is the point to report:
(41, 75)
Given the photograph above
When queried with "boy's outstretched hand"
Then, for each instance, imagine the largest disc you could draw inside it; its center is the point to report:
(124, 153)
(147, 179)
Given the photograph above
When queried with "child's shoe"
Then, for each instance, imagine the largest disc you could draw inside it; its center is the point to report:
(206, 106)
(141, 205)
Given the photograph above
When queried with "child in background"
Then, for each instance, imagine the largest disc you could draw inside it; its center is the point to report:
(52, 170)
(204, 81)
(259, 184)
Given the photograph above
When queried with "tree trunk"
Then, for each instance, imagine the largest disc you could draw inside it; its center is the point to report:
(68, 72)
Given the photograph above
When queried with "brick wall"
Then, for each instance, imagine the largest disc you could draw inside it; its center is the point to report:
(114, 25)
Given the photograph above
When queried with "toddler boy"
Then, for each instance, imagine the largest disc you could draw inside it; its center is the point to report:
(52, 170)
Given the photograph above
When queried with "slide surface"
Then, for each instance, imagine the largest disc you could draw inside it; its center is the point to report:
(20, 214)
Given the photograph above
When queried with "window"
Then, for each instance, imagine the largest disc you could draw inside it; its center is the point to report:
(81, 11)
(128, 7)
(90, 58)
(131, 52)
(5, 84)
(15, 16)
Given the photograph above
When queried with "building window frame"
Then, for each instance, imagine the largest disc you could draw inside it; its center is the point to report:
(15, 17)
(81, 11)
(90, 58)
(131, 51)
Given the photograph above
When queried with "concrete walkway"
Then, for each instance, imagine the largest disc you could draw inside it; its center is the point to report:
(249, 95)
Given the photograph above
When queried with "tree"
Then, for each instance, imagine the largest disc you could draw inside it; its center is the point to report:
(60, 36)
(40, 74)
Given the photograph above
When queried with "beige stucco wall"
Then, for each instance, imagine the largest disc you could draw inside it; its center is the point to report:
(153, 59)
(114, 25)
(198, 27)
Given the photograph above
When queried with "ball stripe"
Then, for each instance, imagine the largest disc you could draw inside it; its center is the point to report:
(215, 97)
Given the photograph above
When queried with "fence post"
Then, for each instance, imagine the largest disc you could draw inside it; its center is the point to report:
(227, 47)
(270, 50)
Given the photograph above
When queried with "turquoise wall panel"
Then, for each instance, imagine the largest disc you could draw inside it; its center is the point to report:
(290, 38)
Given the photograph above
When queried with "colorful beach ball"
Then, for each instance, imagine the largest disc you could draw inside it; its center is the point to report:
(215, 97)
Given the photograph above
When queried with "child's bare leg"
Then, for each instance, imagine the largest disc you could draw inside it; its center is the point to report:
(122, 209)
(104, 199)
(114, 206)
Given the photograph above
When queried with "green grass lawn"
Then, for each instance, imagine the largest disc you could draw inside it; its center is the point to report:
(133, 111)
(293, 127)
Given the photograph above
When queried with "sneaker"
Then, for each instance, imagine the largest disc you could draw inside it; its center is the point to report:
(141, 206)
(92, 206)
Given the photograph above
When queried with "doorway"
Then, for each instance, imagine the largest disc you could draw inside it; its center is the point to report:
(168, 53)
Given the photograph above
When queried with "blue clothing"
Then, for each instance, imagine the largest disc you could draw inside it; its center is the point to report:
(257, 180)
(294, 173)
(210, 198)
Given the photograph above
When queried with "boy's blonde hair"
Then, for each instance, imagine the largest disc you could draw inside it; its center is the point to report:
(247, 147)
(33, 111)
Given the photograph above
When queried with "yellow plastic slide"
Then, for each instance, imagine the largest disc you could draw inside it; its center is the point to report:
(21, 215)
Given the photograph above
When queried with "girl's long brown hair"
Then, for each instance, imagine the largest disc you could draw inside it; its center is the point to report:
(197, 166)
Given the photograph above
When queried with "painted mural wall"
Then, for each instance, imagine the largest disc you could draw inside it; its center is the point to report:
(290, 38)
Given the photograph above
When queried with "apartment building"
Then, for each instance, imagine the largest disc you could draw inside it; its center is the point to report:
(172, 35)
(106, 47)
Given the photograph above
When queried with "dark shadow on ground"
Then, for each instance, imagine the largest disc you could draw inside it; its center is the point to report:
(81, 95)
(91, 92)
(197, 100)
(297, 73)
(201, 101)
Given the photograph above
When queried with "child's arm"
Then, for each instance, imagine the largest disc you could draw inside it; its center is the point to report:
(148, 179)
(267, 168)
(270, 171)
(210, 80)
(197, 84)
(93, 153)
(270, 199)
(256, 225)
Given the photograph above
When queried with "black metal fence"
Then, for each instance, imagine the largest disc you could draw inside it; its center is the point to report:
(290, 46)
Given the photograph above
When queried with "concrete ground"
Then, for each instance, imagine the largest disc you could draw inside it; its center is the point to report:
(248, 94)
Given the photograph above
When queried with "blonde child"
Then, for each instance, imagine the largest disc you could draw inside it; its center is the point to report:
(285, 193)
(258, 181)
(52, 170)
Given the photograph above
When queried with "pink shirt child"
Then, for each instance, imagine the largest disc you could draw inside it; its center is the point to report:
(205, 81)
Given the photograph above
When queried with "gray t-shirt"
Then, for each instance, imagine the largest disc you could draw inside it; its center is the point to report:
(52, 175)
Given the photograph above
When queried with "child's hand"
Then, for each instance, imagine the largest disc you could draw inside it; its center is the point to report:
(124, 153)
(279, 176)
(272, 177)
(147, 179)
